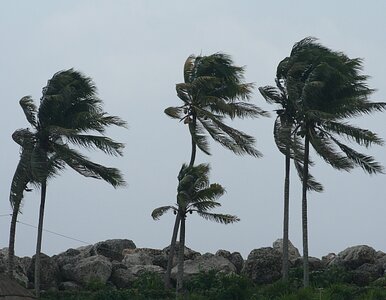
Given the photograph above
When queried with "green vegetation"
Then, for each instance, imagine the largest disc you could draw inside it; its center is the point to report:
(219, 286)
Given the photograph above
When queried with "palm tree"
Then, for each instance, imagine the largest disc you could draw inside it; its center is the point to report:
(328, 88)
(213, 89)
(194, 194)
(69, 113)
(289, 145)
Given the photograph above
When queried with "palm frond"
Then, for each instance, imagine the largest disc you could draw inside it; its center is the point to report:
(366, 162)
(160, 211)
(211, 193)
(360, 136)
(29, 109)
(237, 141)
(200, 139)
(204, 205)
(219, 218)
(175, 112)
(312, 184)
(325, 150)
(87, 168)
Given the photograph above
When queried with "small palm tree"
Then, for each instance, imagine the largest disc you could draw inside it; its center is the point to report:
(328, 88)
(213, 89)
(69, 111)
(194, 194)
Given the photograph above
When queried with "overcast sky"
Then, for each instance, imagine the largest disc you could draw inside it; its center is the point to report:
(135, 51)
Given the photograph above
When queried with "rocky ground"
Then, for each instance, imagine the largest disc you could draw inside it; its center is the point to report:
(119, 262)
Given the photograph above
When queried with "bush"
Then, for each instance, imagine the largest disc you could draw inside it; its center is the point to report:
(213, 285)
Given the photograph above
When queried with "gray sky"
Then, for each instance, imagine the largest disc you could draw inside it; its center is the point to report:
(135, 51)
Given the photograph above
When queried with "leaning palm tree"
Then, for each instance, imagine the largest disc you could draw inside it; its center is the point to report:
(194, 194)
(328, 88)
(213, 89)
(69, 114)
(290, 146)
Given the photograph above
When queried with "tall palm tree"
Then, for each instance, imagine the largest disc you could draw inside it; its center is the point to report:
(194, 194)
(290, 146)
(328, 88)
(213, 89)
(69, 114)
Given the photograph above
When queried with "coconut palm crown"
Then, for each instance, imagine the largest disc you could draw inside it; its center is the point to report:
(213, 89)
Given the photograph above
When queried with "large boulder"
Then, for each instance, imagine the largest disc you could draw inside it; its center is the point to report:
(189, 254)
(112, 249)
(235, 258)
(21, 266)
(49, 272)
(353, 257)
(91, 268)
(263, 265)
(145, 256)
(123, 276)
(293, 252)
(205, 263)
(314, 263)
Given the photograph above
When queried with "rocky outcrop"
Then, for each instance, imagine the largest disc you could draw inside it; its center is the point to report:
(235, 258)
(293, 252)
(205, 263)
(49, 275)
(88, 269)
(112, 249)
(119, 262)
(353, 257)
(263, 265)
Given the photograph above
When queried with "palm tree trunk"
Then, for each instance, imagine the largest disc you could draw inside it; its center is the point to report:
(192, 128)
(180, 273)
(306, 275)
(286, 215)
(171, 252)
(39, 238)
(12, 234)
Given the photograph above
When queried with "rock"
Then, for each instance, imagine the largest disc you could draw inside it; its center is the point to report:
(205, 263)
(353, 257)
(381, 262)
(122, 278)
(235, 258)
(263, 265)
(315, 264)
(189, 254)
(88, 269)
(113, 249)
(327, 259)
(374, 271)
(21, 267)
(293, 252)
(49, 272)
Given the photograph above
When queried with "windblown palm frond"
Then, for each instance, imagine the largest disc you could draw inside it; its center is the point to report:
(160, 211)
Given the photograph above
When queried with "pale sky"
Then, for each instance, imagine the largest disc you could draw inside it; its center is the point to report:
(135, 51)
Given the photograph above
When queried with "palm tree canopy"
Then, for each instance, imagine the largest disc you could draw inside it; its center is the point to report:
(327, 88)
(196, 194)
(213, 89)
(69, 114)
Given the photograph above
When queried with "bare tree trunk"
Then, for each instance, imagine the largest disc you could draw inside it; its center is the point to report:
(180, 273)
(306, 275)
(286, 215)
(171, 252)
(39, 238)
(12, 234)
